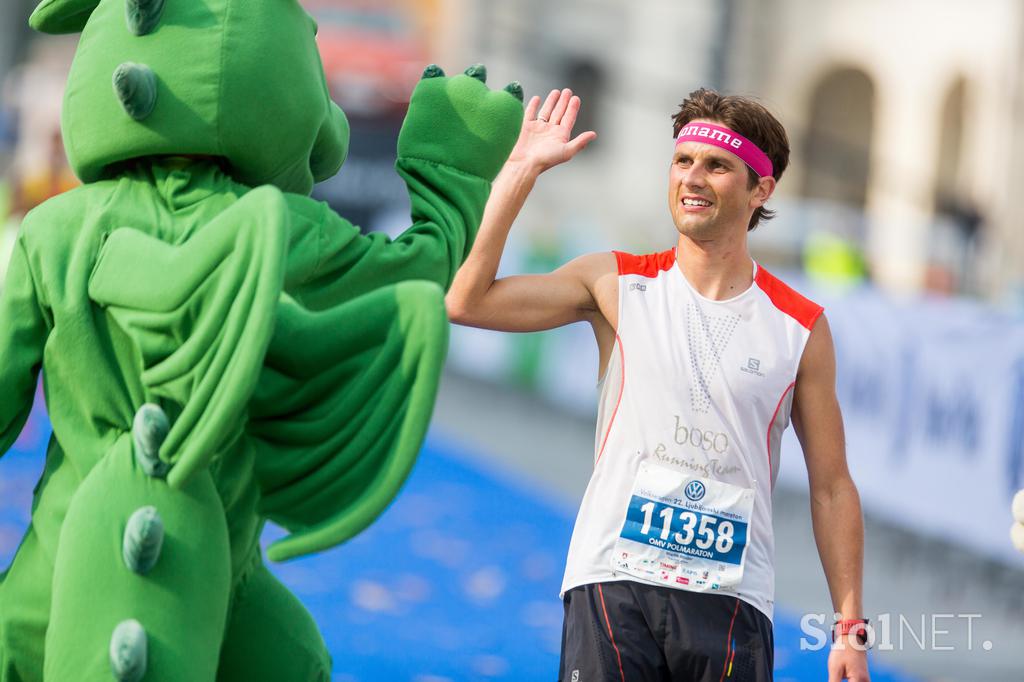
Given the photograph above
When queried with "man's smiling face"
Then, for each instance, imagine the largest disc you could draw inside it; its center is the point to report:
(710, 191)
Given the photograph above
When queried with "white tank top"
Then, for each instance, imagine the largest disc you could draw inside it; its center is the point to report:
(697, 394)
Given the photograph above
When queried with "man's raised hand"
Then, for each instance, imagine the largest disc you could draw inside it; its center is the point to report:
(545, 139)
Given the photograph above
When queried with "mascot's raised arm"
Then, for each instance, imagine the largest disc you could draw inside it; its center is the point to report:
(217, 348)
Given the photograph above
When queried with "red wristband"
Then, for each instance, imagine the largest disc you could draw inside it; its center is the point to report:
(858, 626)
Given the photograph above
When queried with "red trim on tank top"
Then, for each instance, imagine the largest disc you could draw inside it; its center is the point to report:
(768, 436)
(648, 265)
(622, 386)
(783, 297)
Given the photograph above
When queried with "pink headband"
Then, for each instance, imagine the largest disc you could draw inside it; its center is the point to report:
(747, 151)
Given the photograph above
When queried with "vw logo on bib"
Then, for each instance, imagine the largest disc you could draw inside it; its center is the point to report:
(695, 491)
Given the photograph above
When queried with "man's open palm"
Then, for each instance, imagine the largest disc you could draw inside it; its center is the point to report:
(545, 139)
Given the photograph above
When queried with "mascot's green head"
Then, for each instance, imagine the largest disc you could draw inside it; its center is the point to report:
(236, 79)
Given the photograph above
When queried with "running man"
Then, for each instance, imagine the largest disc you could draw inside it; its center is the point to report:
(704, 358)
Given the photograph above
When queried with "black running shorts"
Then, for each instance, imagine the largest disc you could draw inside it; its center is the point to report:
(626, 631)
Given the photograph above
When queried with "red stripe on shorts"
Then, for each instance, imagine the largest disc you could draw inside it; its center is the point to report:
(608, 622)
(728, 639)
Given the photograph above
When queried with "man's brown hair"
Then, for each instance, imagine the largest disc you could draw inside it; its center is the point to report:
(748, 118)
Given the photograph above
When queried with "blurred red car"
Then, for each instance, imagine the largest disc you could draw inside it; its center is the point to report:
(372, 53)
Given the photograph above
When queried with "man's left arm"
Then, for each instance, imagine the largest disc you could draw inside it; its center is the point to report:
(835, 503)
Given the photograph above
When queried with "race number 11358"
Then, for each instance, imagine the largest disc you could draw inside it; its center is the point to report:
(690, 528)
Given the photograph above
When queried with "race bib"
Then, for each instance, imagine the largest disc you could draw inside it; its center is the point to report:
(684, 532)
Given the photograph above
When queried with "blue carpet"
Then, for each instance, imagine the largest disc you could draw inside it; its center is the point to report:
(457, 581)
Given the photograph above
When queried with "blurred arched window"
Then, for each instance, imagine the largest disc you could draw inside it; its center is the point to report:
(951, 140)
(958, 219)
(837, 142)
(950, 195)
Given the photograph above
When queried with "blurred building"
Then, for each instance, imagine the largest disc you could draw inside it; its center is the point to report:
(33, 164)
(14, 32)
(34, 94)
(14, 39)
(904, 120)
(906, 113)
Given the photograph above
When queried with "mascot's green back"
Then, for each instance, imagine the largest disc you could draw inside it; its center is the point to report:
(216, 348)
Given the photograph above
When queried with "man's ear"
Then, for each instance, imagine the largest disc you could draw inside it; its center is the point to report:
(763, 191)
(62, 16)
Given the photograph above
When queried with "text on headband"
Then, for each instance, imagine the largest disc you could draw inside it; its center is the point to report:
(747, 151)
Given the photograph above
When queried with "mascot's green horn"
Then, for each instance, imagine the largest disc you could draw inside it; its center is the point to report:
(129, 652)
(135, 85)
(143, 15)
(515, 89)
(62, 16)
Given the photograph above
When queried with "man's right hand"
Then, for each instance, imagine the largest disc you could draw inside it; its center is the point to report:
(583, 289)
(545, 139)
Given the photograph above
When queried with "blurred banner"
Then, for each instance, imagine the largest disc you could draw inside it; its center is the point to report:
(933, 400)
(932, 393)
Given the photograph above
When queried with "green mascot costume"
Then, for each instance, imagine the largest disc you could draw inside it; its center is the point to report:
(217, 348)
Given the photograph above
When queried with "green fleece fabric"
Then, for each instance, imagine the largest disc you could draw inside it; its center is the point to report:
(296, 359)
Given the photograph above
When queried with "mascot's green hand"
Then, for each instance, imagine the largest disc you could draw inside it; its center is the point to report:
(459, 122)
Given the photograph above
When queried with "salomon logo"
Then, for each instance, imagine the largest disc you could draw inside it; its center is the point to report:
(753, 367)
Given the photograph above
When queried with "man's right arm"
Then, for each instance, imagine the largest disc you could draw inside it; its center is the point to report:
(529, 302)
